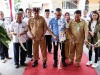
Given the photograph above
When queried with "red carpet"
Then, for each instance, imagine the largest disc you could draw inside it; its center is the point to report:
(50, 70)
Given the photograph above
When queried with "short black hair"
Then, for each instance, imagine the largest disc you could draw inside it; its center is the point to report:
(52, 11)
(36, 9)
(47, 10)
(20, 9)
(58, 9)
(77, 12)
(27, 9)
(67, 13)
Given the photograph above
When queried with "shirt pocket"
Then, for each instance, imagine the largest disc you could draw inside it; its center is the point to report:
(22, 29)
(40, 24)
(15, 28)
(82, 26)
(31, 24)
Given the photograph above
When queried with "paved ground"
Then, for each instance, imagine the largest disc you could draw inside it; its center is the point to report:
(8, 68)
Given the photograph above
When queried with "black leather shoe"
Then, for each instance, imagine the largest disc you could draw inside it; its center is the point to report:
(50, 52)
(29, 56)
(35, 64)
(23, 64)
(64, 64)
(44, 65)
(55, 64)
(17, 66)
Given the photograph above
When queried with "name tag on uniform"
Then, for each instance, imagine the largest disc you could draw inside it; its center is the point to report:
(78, 28)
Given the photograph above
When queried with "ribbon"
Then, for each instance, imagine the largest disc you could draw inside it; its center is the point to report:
(21, 44)
(94, 45)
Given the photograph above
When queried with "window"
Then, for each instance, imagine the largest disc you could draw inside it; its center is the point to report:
(87, 5)
(69, 4)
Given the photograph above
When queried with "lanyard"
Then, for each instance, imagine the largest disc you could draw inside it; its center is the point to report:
(78, 28)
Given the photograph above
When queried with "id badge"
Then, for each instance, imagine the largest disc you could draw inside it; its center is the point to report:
(78, 28)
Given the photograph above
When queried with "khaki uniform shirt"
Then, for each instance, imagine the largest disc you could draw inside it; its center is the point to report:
(78, 30)
(37, 27)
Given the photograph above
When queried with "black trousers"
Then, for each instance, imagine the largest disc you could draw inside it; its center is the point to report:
(18, 49)
(29, 47)
(62, 48)
(99, 52)
(48, 42)
(96, 54)
(3, 51)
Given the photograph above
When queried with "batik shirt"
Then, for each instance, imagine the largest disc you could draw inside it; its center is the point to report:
(57, 26)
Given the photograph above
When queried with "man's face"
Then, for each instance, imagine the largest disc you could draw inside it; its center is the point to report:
(58, 14)
(18, 18)
(85, 13)
(47, 14)
(29, 13)
(1, 15)
(77, 17)
(36, 14)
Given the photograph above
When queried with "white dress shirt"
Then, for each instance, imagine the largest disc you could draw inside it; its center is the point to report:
(18, 29)
(87, 19)
(26, 21)
(47, 21)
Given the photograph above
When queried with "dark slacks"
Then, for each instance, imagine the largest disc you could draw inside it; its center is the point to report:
(99, 52)
(96, 54)
(48, 42)
(19, 51)
(62, 48)
(3, 51)
(29, 47)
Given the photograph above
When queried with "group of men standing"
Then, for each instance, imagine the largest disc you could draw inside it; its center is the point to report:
(40, 30)
(57, 28)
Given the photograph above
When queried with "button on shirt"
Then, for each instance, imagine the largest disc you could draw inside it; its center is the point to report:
(57, 26)
(18, 29)
(47, 21)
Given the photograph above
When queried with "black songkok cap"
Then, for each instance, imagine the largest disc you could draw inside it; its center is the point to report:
(47, 10)
(36, 9)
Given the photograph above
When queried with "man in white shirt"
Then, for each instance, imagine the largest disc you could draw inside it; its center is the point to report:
(29, 40)
(86, 17)
(19, 30)
(3, 49)
(48, 36)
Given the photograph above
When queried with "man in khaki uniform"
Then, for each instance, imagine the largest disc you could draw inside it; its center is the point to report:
(37, 27)
(79, 29)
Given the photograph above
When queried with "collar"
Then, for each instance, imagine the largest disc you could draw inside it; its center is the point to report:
(79, 21)
(19, 23)
(36, 18)
(57, 18)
